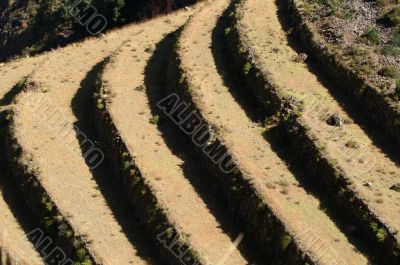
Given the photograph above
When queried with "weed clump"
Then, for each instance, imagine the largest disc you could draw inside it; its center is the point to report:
(285, 242)
(390, 71)
(350, 14)
(381, 235)
(81, 253)
(127, 165)
(155, 119)
(64, 231)
(247, 67)
(8, 116)
(371, 35)
(334, 5)
(47, 222)
(361, 59)
(391, 50)
(82, 257)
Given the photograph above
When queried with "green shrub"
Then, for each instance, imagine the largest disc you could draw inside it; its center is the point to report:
(392, 16)
(391, 50)
(390, 71)
(21, 83)
(182, 79)
(87, 261)
(169, 232)
(8, 117)
(398, 87)
(361, 59)
(247, 67)
(227, 31)
(110, 8)
(350, 14)
(374, 226)
(155, 119)
(81, 254)
(285, 242)
(64, 231)
(127, 165)
(342, 192)
(334, 5)
(48, 222)
(381, 234)
(261, 206)
(136, 179)
(371, 35)
(100, 106)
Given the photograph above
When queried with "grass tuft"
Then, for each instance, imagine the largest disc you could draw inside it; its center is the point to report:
(247, 67)
(155, 119)
(381, 235)
(285, 242)
(390, 71)
(371, 35)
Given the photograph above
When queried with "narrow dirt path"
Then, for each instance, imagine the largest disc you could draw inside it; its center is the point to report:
(160, 167)
(371, 172)
(45, 126)
(295, 207)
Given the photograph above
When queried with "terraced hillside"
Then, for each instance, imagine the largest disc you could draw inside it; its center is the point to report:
(201, 137)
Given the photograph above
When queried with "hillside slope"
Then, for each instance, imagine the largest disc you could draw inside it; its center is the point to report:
(30, 27)
(206, 136)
